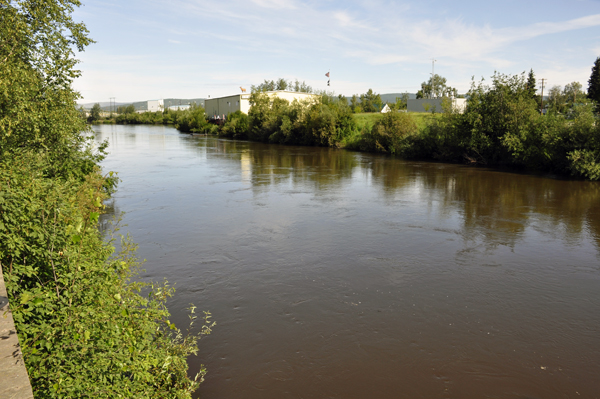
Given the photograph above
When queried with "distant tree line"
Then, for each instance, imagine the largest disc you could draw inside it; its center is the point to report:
(282, 84)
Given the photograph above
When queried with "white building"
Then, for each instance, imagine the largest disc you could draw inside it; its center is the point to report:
(151, 106)
(435, 105)
(156, 105)
(385, 109)
(241, 102)
(179, 107)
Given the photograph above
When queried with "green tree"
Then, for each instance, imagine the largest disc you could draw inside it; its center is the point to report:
(302, 87)
(37, 103)
(282, 84)
(354, 103)
(95, 112)
(594, 82)
(530, 86)
(436, 87)
(370, 101)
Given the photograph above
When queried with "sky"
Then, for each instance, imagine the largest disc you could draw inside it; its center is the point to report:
(199, 48)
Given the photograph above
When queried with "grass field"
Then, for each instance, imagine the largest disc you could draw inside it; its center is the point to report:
(420, 118)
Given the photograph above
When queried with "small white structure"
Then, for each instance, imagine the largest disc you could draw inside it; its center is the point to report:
(179, 107)
(385, 109)
(435, 105)
(241, 102)
(152, 106)
(155, 105)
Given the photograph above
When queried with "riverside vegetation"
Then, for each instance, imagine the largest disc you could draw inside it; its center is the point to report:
(85, 328)
(501, 126)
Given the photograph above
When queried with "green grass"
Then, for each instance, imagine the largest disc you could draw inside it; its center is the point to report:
(420, 118)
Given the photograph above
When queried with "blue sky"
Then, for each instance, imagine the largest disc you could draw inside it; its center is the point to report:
(195, 48)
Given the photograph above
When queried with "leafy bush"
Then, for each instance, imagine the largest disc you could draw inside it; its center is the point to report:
(389, 133)
(502, 126)
(323, 122)
(192, 120)
(84, 328)
(236, 126)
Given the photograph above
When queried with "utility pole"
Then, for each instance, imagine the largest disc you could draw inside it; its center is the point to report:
(542, 104)
(433, 60)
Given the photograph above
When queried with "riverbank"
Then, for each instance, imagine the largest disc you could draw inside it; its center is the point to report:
(500, 127)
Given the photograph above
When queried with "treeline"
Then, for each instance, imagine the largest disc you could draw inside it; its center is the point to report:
(501, 126)
(83, 326)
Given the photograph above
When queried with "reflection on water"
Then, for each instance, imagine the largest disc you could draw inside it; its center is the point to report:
(340, 274)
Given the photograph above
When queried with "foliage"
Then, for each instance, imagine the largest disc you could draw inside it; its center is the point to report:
(502, 126)
(561, 101)
(95, 113)
(594, 82)
(436, 87)
(530, 86)
(84, 328)
(370, 101)
(236, 126)
(37, 104)
(389, 133)
(401, 103)
(192, 120)
(324, 122)
(125, 109)
(282, 84)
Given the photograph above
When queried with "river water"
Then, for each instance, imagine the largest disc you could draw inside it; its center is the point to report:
(336, 274)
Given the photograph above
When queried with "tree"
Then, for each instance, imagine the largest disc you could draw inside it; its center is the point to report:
(95, 112)
(370, 101)
(281, 84)
(354, 104)
(436, 87)
(37, 103)
(594, 82)
(301, 87)
(530, 85)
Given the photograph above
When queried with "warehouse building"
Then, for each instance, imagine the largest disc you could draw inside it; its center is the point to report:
(241, 102)
(435, 105)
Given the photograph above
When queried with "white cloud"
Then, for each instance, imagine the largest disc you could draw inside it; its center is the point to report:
(276, 4)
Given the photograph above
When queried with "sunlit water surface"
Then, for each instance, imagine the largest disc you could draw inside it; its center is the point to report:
(335, 274)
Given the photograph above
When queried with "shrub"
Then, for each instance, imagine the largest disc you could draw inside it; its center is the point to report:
(389, 133)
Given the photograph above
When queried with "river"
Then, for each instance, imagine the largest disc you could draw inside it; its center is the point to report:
(337, 274)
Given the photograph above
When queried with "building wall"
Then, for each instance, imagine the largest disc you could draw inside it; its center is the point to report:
(227, 105)
(435, 105)
(155, 105)
(293, 95)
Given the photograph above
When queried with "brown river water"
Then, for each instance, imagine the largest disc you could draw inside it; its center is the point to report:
(337, 274)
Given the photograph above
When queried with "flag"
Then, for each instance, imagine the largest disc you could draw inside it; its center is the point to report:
(327, 74)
